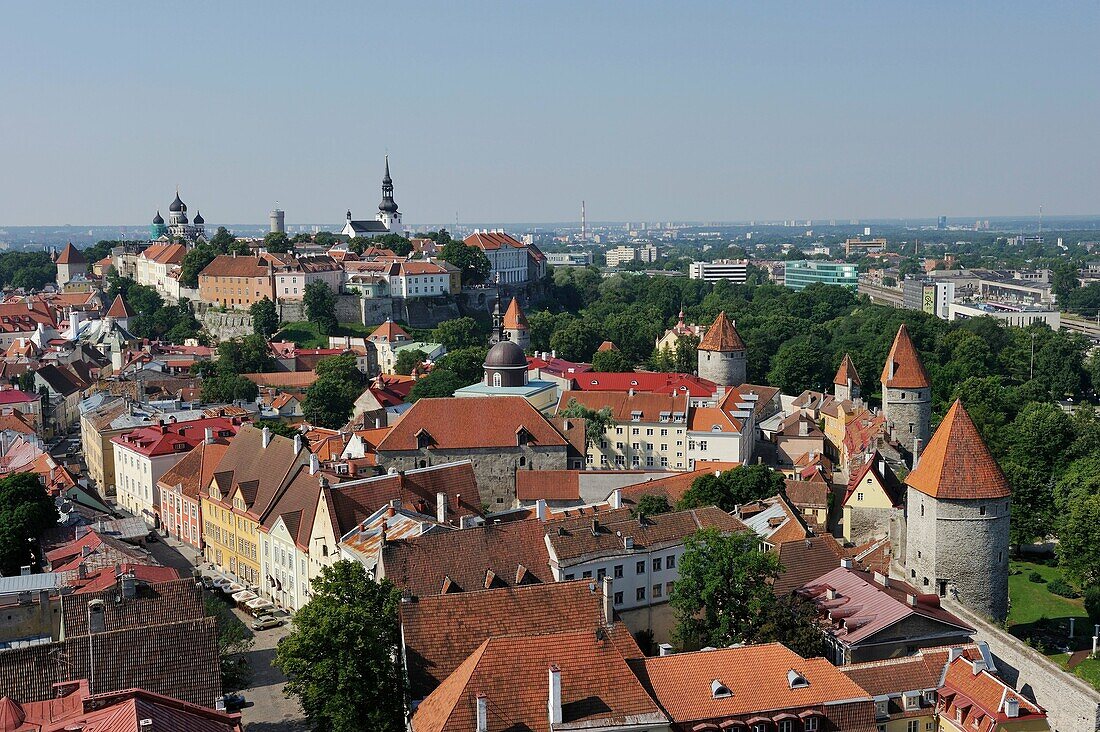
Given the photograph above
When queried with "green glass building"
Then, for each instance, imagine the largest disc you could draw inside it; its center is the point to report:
(797, 275)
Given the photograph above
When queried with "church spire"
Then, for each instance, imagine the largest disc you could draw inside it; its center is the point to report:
(388, 205)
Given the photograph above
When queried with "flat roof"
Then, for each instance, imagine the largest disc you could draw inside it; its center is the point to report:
(29, 583)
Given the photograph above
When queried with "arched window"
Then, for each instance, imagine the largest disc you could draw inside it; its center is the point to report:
(496, 379)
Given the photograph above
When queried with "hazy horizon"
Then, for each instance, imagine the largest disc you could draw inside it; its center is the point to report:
(508, 112)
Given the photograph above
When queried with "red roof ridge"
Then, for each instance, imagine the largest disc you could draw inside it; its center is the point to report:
(71, 255)
(120, 308)
(514, 319)
(722, 336)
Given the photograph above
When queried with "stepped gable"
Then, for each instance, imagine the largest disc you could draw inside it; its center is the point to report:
(957, 464)
(514, 319)
(847, 371)
(903, 368)
(722, 336)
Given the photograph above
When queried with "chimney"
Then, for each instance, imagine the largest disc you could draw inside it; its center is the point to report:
(441, 507)
(314, 463)
(881, 466)
(953, 654)
(97, 623)
(482, 713)
(664, 649)
(916, 451)
(553, 704)
(267, 436)
(1012, 707)
(540, 509)
(82, 571)
(803, 428)
(882, 579)
(630, 391)
(297, 444)
(847, 563)
(608, 601)
(209, 436)
(595, 526)
(129, 585)
(617, 498)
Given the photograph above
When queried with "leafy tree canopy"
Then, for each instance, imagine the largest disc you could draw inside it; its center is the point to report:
(597, 421)
(459, 333)
(26, 511)
(320, 302)
(730, 488)
(265, 317)
(611, 362)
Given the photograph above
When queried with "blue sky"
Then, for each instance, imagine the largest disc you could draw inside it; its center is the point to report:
(515, 111)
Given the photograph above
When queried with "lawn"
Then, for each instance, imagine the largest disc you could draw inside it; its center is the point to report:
(306, 335)
(1032, 601)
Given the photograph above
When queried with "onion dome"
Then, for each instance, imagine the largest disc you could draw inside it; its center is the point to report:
(199, 219)
(177, 205)
(158, 219)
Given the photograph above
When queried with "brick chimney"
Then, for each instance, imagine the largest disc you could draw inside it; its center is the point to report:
(608, 601)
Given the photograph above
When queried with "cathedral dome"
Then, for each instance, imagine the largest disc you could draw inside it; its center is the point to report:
(199, 219)
(158, 219)
(388, 205)
(177, 205)
(505, 355)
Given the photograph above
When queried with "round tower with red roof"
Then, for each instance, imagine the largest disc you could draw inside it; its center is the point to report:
(906, 394)
(722, 354)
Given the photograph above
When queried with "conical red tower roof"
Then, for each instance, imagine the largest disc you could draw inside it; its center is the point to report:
(846, 372)
(957, 463)
(71, 255)
(514, 319)
(119, 308)
(722, 336)
(903, 368)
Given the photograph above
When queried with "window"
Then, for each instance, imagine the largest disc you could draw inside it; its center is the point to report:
(670, 561)
(859, 496)
(785, 726)
(601, 573)
(618, 598)
(922, 509)
(913, 725)
(657, 564)
(569, 576)
(811, 724)
(618, 571)
(758, 728)
(881, 727)
(587, 574)
(640, 594)
(657, 589)
(634, 445)
(639, 568)
(981, 510)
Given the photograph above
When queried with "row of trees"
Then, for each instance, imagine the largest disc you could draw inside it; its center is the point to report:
(154, 318)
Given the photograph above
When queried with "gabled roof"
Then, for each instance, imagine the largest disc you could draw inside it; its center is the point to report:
(957, 464)
(389, 332)
(672, 487)
(876, 468)
(804, 560)
(647, 406)
(227, 265)
(921, 671)
(194, 473)
(457, 423)
(903, 368)
(119, 308)
(71, 255)
(597, 686)
(514, 319)
(175, 437)
(123, 711)
(646, 382)
(757, 678)
(550, 485)
(259, 472)
(846, 372)
(722, 336)
(439, 632)
(981, 697)
(489, 240)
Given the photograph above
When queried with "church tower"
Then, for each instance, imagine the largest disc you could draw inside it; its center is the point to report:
(906, 394)
(515, 327)
(71, 264)
(387, 210)
(956, 518)
(722, 354)
(846, 382)
(157, 229)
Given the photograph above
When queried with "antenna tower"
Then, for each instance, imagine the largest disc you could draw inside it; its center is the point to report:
(584, 225)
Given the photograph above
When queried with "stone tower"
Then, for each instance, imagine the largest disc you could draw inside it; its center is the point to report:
(515, 327)
(956, 517)
(722, 354)
(906, 394)
(387, 210)
(70, 265)
(846, 382)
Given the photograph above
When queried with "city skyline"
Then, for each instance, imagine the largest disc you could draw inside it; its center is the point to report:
(513, 113)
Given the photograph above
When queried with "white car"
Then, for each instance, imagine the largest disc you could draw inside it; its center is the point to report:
(266, 621)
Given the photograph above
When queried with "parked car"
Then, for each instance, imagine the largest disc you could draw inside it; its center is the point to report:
(233, 701)
(266, 621)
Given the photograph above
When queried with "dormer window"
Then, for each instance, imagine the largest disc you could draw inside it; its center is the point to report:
(718, 690)
(795, 680)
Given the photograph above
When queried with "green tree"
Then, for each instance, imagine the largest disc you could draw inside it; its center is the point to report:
(194, 262)
(408, 359)
(652, 505)
(342, 660)
(277, 427)
(466, 363)
(596, 421)
(730, 488)
(229, 388)
(724, 590)
(222, 241)
(459, 333)
(472, 261)
(438, 383)
(26, 511)
(277, 242)
(265, 317)
(320, 302)
(611, 362)
(1079, 540)
(800, 364)
(329, 399)
(1064, 278)
(577, 341)
(234, 643)
(792, 621)
(1092, 603)
(247, 355)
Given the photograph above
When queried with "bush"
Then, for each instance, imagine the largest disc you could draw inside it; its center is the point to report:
(1036, 577)
(1092, 603)
(1063, 588)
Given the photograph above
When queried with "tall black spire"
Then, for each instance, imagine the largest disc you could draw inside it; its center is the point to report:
(388, 205)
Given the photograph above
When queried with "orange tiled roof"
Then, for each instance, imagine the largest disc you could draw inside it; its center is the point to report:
(957, 463)
(388, 331)
(71, 255)
(514, 319)
(757, 676)
(471, 422)
(981, 697)
(722, 336)
(903, 368)
(846, 371)
(120, 308)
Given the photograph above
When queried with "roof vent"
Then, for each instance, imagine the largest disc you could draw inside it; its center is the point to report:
(718, 690)
(1012, 707)
(796, 680)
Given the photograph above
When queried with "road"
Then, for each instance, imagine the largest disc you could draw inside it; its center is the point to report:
(266, 709)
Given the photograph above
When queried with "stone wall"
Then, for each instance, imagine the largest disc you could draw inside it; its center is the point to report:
(223, 326)
(292, 311)
(1072, 705)
(903, 407)
(865, 524)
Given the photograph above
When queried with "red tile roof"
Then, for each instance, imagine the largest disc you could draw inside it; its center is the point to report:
(482, 422)
(757, 679)
(877, 468)
(227, 265)
(722, 336)
(488, 240)
(623, 404)
(957, 464)
(982, 697)
(106, 578)
(672, 487)
(514, 319)
(903, 369)
(550, 485)
(921, 671)
(194, 472)
(71, 255)
(807, 493)
(597, 686)
(804, 560)
(176, 437)
(440, 632)
(644, 382)
(389, 332)
(846, 372)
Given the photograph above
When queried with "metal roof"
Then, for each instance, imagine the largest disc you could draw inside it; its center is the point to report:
(29, 583)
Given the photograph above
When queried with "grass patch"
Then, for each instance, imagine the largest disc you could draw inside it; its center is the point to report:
(1089, 670)
(1031, 601)
(306, 334)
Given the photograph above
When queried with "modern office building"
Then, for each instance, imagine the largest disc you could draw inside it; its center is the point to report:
(733, 270)
(929, 295)
(798, 275)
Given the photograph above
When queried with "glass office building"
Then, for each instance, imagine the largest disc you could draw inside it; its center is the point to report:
(797, 275)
